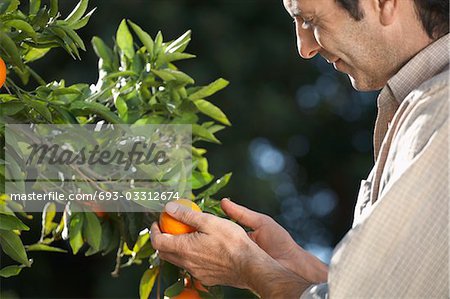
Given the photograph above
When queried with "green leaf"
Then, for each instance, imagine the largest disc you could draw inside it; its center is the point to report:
(48, 215)
(145, 251)
(66, 42)
(34, 6)
(92, 230)
(11, 107)
(77, 12)
(202, 164)
(124, 40)
(35, 54)
(4, 97)
(75, 232)
(180, 44)
(41, 108)
(121, 106)
(11, 271)
(198, 151)
(83, 22)
(121, 74)
(216, 186)
(102, 50)
(113, 241)
(212, 127)
(53, 8)
(200, 179)
(143, 238)
(12, 246)
(185, 118)
(158, 43)
(212, 206)
(147, 282)
(44, 247)
(163, 74)
(176, 56)
(8, 6)
(173, 75)
(151, 119)
(106, 235)
(10, 48)
(144, 37)
(21, 25)
(209, 90)
(75, 37)
(15, 172)
(10, 222)
(42, 18)
(203, 133)
(87, 108)
(65, 115)
(212, 111)
(174, 289)
(66, 90)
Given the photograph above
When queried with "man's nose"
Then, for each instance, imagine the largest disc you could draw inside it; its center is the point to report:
(307, 44)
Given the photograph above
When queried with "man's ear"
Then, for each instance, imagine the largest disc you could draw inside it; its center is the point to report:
(388, 11)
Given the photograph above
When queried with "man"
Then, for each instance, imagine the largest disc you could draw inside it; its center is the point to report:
(398, 246)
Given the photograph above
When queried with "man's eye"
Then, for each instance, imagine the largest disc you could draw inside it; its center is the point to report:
(307, 23)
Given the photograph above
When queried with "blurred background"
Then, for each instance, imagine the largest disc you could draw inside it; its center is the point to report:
(299, 145)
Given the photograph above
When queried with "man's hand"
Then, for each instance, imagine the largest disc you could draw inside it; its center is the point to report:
(221, 252)
(214, 254)
(277, 242)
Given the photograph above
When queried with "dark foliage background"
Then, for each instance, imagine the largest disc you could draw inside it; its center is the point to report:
(299, 145)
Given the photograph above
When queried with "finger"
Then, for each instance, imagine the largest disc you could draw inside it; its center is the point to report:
(161, 241)
(251, 235)
(241, 214)
(195, 219)
(155, 234)
(154, 231)
(172, 258)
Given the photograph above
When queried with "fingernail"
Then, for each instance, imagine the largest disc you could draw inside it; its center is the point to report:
(226, 198)
(171, 207)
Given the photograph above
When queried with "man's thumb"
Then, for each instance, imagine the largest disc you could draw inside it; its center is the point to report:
(184, 214)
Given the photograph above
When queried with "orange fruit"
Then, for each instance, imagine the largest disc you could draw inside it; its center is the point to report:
(187, 294)
(101, 214)
(170, 225)
(2, 72)
(95, 207)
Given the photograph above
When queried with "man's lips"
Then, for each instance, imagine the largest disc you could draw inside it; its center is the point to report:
(335, 61)
(336, 64)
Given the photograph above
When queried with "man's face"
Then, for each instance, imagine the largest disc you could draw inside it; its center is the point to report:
(356, 48)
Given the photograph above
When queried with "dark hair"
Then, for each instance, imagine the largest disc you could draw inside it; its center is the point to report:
(433, 14)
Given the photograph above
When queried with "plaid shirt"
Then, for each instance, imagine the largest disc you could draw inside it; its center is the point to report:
(399, 244)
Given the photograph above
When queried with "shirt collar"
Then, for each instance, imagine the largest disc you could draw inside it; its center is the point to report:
(429, 62)
(426, 64)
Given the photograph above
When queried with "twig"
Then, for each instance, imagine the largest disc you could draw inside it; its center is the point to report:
(7, 89)
(158, 286)
(116, 271)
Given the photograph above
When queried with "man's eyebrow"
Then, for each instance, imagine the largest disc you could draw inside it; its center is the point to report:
(297, 12)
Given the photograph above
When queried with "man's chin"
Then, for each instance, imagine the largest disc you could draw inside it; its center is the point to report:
(365, 84)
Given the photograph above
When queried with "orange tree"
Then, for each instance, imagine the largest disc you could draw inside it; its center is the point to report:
(138, 83)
